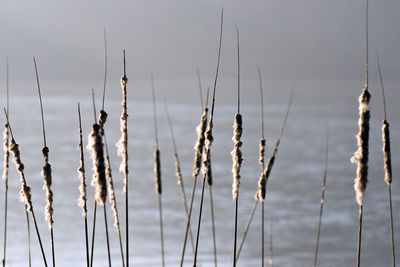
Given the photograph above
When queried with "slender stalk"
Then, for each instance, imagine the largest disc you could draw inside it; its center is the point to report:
(46, 173)
(82, 188)
(157, 169)
(93, 233)
(246, 229)
(213, 224)
(178, 170)
(122, 146)
(5, 173)
(359, 236)
(321, 207)
(387, 160)
(208, 141)
(29, 238)
(270, 260)
(107, 238)
(26, 194)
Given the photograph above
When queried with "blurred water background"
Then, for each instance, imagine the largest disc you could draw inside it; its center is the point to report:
(293, 191)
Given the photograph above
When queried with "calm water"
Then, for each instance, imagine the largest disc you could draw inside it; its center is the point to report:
(292, 204)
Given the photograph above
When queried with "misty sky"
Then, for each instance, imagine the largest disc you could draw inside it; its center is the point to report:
(290, 39)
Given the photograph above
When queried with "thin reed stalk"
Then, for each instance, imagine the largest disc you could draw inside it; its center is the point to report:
(26, 194)
(208, 141)
(157, 170)
(46, 173)
(6, 165)
(29, 238)
(270, 260)
(82, 202)
(321, 207)
(122, 146)
(237, 157)
(99, 181)
(178, 171)
(387, 161)
(361, 155)
(101, 122)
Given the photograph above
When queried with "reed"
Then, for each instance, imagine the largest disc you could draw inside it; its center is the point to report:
(82, 201)
(236, 153)
(261, 161)
(387, 159)
(102, 120)
(207, 143)
(122, 146)
(46, 173)
(361, 155)
(157, 170)
(99, 181)
(321, 207)
(178, 172)
(25, 192)
(6, 165)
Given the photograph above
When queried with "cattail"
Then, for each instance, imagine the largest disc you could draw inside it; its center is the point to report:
(386, 152)
(123, 141)
(6, 152)
(26, 195)
(262, 153)
(81, 171)
(201, 128)
(361, 155)
(157, 171)
(46, 173)
(236, 154)
(102, 121)
(95, 145)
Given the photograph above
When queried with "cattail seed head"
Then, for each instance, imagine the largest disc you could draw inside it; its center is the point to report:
(207, 146)
(95, 145)
(209, 172)
(386, 152)
(81, 171)
(102, 121)
(178, 170)
(236, 154)
(6, 152)
(361, 155)
(198, 147)
(122, 144)
(46, 173)
(262, 152)
(25, 192)
(157, 171)
(111, 193)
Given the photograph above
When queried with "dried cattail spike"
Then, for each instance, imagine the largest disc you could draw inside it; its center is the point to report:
(361, 155)
(157, 171)
(123, 141)
(46, 173)
(95, 145)
(102, 121)
(386, 152)
(6, 152)
(198, 147)
(236, 154)
(209, 172)
(26, 195)
(81, 171)
(207, 146)
(262, 152)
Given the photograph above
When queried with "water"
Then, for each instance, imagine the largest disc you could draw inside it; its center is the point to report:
(293, 191)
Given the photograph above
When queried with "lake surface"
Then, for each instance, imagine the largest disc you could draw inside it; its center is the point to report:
(293, 190)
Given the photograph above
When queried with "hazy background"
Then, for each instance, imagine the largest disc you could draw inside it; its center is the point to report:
(317, 45)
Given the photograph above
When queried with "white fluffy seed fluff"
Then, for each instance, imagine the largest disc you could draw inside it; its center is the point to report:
(111, 193)
(95, 145)
(46, 173)
(361, 155)
(207, 146)
(81, 172)
(386, 152)
(198, 147)
(236, 155)
(26, 195)
(6, 152)
(122, 144)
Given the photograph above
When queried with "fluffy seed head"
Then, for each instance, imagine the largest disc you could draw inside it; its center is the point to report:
(236, 154)
(198, 147)
(157, 171)
(386, 152)
(361, 155)
(6, 152)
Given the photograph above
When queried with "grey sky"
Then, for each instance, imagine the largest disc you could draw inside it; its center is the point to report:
(290, 39)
